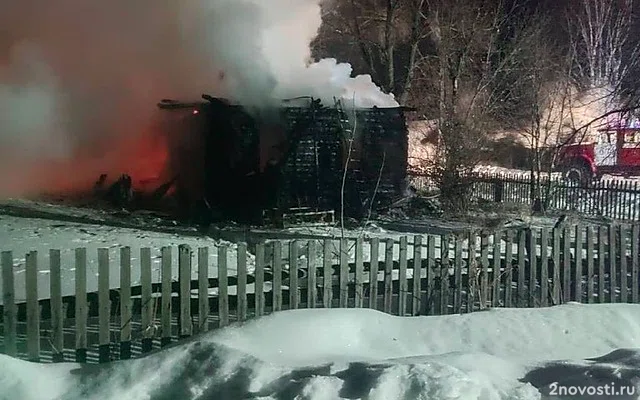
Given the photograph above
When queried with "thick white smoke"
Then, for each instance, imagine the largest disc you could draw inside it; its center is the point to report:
(79, 79)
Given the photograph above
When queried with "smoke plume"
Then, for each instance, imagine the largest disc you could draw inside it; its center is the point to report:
(79, 79)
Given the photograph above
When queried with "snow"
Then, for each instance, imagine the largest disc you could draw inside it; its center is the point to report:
(356, 353)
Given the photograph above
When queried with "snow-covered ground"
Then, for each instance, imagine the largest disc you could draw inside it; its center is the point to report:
(363, 354)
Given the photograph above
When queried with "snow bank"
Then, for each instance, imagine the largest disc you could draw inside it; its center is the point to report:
(349, 353)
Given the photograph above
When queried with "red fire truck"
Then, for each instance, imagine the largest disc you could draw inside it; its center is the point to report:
(616, 152)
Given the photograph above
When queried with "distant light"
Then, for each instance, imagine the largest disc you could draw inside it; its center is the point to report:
(196, 112)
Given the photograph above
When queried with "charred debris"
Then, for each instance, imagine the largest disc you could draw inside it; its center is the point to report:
(280, 165)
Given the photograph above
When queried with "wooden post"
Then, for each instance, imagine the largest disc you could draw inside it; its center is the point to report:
(33, 307)
(431, 268)
(184, 281)
(125, 303)
(566, 265)
(9, 309)
(508, 271)
(312, 288)
(294, 295)
(556, 281)
(57, 316)
(544, 267)
(533, 266)
(402, 277)
(484, 276)
(104, 307)
(344, 273)
(81, 311)
(496, 267)
(613, 270)
(203, 289)
(635, 239)
(373, 273)
(522, 243)
(166, 279)
(590, 259)
(260, 262)
(147, 309)
(624, 285)
(242, 281)
(472, 274)
(223, 285)
(602, 238)
(277, 275)
(359, 274)
(327, 273)
(417, 275)
(457, 276)
(445, 244)
(577, 292)
(388, 271)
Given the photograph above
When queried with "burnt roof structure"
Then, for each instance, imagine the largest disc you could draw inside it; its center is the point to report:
(235, 163)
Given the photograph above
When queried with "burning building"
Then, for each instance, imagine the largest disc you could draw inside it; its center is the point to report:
(233, 163)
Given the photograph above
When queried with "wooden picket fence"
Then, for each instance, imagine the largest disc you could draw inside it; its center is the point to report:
(454, 273)
(617, 199)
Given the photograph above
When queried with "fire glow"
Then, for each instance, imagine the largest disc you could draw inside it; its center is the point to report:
(90, 90)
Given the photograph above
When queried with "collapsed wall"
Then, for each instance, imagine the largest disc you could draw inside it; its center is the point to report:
(240, 163)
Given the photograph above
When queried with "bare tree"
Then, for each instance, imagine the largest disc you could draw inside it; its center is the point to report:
(473, 60)
(607, 50)
(386, 36)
